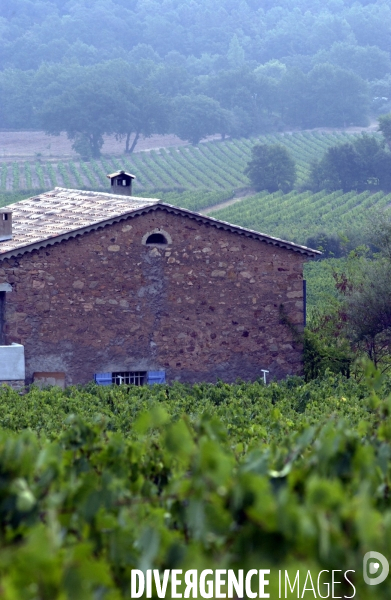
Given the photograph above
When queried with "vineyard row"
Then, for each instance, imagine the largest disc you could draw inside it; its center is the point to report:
(296, 216)
(213, 165)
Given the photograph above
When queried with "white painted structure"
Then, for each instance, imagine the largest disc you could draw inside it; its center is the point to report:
(12, 365)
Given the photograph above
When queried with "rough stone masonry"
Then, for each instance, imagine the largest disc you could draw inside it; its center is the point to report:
(205, 306)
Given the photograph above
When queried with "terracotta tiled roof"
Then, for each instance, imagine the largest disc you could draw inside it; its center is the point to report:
(62, 213)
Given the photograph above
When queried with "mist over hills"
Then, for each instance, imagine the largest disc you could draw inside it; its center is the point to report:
(230, 66)
(210, 35)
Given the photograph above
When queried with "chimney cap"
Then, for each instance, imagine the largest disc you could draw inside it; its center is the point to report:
(119, 173)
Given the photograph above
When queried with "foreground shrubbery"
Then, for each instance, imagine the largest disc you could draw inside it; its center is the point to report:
(290, 476)
(246, 411)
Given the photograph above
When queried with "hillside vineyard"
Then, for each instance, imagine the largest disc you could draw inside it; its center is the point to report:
(212, 165)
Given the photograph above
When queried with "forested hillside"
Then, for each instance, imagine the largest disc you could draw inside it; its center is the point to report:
(54, 30)
(135, 67)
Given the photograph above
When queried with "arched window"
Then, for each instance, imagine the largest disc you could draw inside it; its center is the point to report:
(156, 238)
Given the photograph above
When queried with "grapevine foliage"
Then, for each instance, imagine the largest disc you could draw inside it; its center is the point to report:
(97, 481)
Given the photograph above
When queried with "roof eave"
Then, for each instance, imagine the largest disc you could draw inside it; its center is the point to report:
(170, 208)
(57, 239)
(241, 230)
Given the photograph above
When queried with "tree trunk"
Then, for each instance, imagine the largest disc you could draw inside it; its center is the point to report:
(95, 146)
(134, 143)
(127, 142)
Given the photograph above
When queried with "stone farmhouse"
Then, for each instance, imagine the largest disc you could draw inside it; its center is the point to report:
(133, 290)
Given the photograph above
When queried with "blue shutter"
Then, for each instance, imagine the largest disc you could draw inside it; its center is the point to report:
(156, 377)
(103, 378)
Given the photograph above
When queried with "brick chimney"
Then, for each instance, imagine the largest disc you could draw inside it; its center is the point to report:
(5, 224)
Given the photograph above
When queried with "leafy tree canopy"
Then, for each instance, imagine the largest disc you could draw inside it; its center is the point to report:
(361, 164)
(195, 117)
(385, 128)
(271, 168)
(334, 96)
(144, 112)
(365, 287)
(61, 31)
(369, 62)
(86, 114)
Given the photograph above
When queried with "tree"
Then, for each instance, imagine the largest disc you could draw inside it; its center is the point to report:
(365, 288)
(271, 168)
(335, 98)
(250, 96)
(16, 105)
(145, 112)
(171, 80)
(385, 128)
(339, 169)
(195, 117)
(235, 53)
(369, 62)
(369, 23)
(292, 97)
(331, 246)
(367, 310)
(86, 113)
(358, 165)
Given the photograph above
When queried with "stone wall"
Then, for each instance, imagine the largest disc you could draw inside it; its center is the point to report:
(204, 307)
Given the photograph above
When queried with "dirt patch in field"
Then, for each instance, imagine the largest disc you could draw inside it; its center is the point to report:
(31, 145)
(239, 195)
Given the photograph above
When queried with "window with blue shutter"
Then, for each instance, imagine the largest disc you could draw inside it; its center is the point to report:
(130, 378)
(103, 378)
(156, 377)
